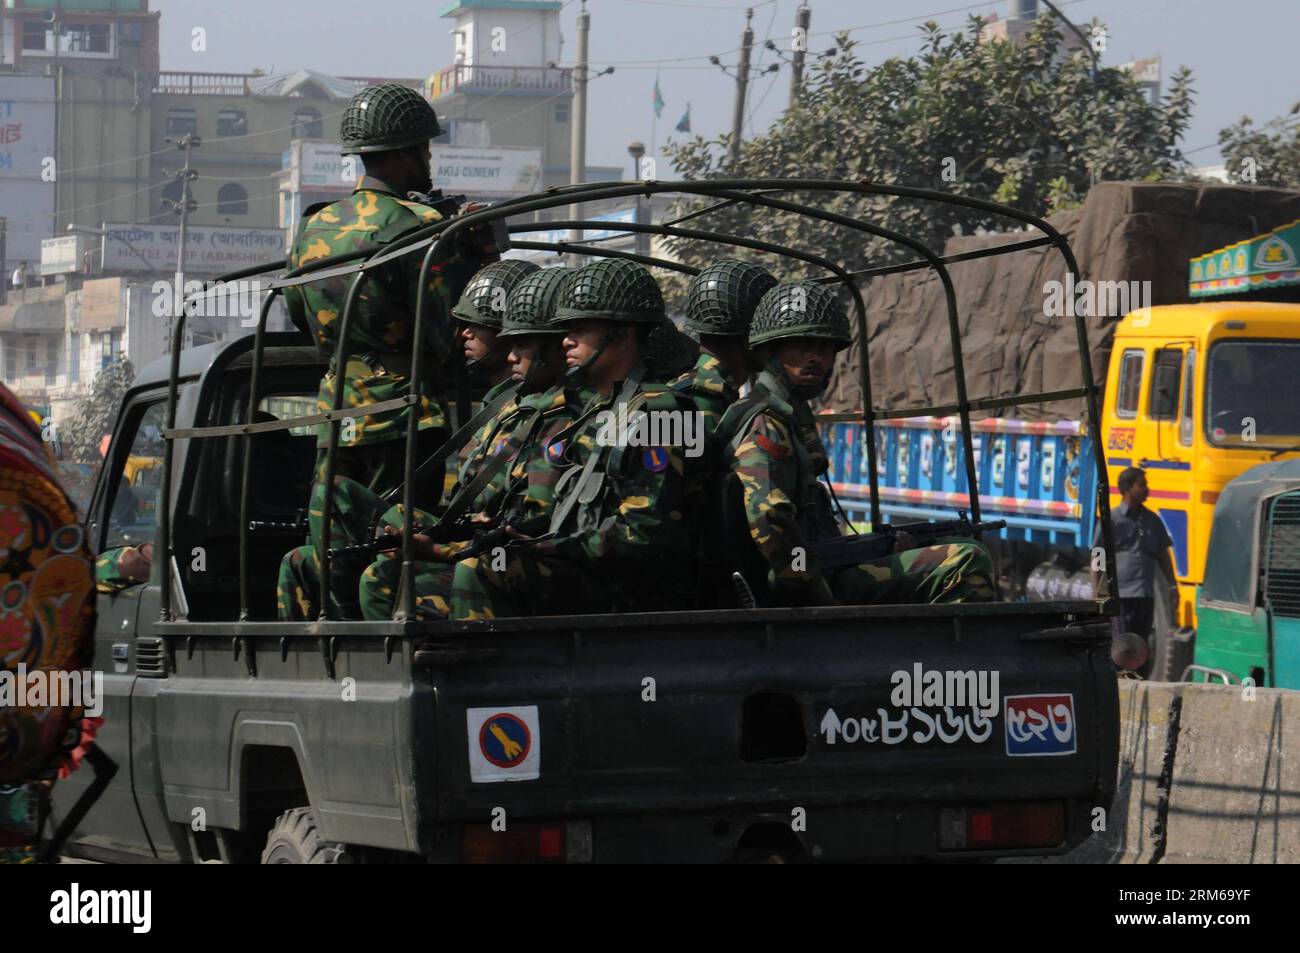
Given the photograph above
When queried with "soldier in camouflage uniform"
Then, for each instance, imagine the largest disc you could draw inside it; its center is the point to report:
(620, 509)
(777, 457)
(536, 361)
(389, 126)
(720, 303)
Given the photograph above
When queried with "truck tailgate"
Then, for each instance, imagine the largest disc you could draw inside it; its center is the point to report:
(766, 711)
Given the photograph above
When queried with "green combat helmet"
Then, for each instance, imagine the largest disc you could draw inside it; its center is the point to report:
(530, 309)
(612, 289)
(484, 299)
(800, 309)
(389, 116)
(721, 299)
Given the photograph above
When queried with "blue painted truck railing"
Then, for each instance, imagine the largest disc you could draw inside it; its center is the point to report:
(1038, 476)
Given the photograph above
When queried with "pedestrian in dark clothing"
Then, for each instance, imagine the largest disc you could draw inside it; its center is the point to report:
(1143, 559)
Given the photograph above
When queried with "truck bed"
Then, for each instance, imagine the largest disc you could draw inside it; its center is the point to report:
(734, 743)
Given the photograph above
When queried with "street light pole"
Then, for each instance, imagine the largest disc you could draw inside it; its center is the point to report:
(187, 143)
(636, 150)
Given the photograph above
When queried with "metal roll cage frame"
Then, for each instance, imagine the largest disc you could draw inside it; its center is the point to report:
(435, 241)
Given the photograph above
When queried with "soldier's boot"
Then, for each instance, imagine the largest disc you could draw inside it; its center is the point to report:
(949, 572)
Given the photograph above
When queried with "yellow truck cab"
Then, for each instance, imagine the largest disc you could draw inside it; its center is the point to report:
(1197, 394)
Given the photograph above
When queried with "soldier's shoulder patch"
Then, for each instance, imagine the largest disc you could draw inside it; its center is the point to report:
(655, 459)
(555, 451)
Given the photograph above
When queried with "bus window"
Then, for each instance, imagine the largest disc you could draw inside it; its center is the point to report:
(1189, 387)
(1250, 394)
(1130, 384)
(1162, 402)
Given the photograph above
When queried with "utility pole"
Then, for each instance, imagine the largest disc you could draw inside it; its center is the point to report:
(742, 82)
(802, 18)
(186, 204)
(578, 138)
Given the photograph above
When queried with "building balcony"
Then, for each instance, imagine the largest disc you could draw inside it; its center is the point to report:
(518, 80)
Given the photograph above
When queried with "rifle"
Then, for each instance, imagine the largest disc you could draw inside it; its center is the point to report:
(836, 552)
(486, 542)
(440, 532)
(486, 536)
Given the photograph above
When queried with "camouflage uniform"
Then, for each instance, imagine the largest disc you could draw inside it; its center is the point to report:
(514, 494)
(710, 387)
(777, 457)
(621, 516)
(356, 511)
(380, 337)
(522, 426)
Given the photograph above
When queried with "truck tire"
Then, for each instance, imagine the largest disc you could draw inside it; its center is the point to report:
(1172, 649)
(295, 839)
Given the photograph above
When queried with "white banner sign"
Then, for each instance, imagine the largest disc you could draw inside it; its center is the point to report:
(61, 256)
(470, 170)
(209, 250)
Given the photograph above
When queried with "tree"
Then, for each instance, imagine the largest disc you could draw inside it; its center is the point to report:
(96, 412)
(1269, 155)
(1015, 123)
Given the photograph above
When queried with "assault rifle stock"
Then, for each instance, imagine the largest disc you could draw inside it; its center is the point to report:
(836, 552)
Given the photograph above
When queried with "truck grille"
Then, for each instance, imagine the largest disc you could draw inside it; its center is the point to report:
(150, 658)
(1282, 565)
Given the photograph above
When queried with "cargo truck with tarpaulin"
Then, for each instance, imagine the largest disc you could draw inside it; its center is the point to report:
(1195, 394)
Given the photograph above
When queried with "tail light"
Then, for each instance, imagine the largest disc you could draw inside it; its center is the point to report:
(527, 844)
(993, 826)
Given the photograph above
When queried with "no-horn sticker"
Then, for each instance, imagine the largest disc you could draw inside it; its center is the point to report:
(505, 744)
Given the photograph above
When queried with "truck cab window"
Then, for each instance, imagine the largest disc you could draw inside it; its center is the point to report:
(1162, 402)
(132, 506)
(1130, 383)
(1250, 394)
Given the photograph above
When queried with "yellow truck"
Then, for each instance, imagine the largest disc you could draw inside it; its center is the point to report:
(1195, 395)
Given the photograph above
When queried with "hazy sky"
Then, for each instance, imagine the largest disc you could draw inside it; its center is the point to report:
(1242, 53)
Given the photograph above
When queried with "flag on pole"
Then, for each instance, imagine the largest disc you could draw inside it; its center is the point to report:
(685, 124)
(659, 100)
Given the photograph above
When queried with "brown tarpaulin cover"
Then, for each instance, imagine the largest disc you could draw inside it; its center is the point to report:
(1124, 232)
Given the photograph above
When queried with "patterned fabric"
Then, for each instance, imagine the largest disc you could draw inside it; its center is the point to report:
(47, 616)
(710, 387)
(632, 541)
(109, 577)
(519, 432)
(356, 511)
(384, 311)
(778, 457)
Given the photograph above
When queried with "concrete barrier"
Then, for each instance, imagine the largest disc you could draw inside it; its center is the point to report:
(1235, 796)
(1204, 777)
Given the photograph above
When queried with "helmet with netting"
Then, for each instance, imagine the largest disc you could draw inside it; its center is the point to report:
(530, 309)
(485, 298)
(721, 299)
(800, 309)
(388, 116)
(612, 289)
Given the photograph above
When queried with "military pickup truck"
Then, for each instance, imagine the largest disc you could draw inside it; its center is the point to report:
(919, 732)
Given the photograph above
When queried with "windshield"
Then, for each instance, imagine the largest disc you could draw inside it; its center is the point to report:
(1250, 394)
